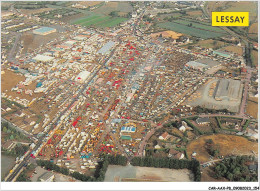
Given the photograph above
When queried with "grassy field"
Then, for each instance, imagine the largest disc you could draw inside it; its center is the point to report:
(121, 7)
(200, 26)
(86, 19)
(255, 57)
(243, 6)
(236, 49)
(253, 28)
(99, 20)
(190, 30)
(209, 43)
(230, 6)
(252, 107)
(112, 22)
(228, 145)
(195, 13)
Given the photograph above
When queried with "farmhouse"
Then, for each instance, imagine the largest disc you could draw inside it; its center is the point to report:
(175, 154)
(165, 136)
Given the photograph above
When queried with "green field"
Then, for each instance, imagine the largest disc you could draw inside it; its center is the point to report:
(99, 20)
(86, 19)
(200, 26)
(112, 22)
(205, 34)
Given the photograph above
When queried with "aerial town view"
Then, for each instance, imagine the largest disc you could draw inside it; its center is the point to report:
(128, 91)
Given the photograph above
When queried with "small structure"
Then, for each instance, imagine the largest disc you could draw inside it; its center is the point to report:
(182, 128)
(253, 167)
(47, 177)
(175, 154)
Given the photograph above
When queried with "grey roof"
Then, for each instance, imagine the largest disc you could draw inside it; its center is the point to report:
(106, 47)
(233, 90)
(252, 167)
(202, 63)
(46, 176)
(228, 89)
(222, 89)
(208, 62)
(203, 120)
(196, 64)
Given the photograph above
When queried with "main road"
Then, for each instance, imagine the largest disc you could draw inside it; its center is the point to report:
(12, 175)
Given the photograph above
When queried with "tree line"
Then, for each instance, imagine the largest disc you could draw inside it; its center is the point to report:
(100, 172)
(102, 166)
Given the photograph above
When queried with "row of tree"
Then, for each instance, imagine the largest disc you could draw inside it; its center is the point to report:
(100, 172)
(199, 109)
(192, 165)
(50, 165)
(235, 169)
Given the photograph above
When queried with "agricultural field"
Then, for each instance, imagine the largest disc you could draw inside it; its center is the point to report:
(253, 28)
(204, 26)
(229, 6)
(255, 57)
(35, 11)
(205, 34)
(31, 41)
(99, 20)
(169, 15)
(228, 145)
(252, 107)
(87, 3)
(195, 14)
(210, 44)
(243, 6)
(253, 31)
(122, 7)
(235, 49)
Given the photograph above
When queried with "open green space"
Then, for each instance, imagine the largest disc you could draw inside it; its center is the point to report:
(200, 26)
(99, 20)
(112, 22)
(86, 19)
(190, 30)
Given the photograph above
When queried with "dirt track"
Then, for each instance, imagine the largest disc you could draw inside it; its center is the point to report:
(136, 173)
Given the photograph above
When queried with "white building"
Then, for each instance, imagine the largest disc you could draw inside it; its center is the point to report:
(43, 58)
(82, 76)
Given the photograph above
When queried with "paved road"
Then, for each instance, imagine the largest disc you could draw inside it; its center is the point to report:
(11, 55)
(243, 102)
